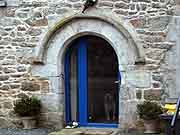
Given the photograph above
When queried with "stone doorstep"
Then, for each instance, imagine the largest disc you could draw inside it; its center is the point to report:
(98, 132)
(85, 131)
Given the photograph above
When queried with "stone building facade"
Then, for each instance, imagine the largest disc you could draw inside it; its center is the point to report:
(34, 36)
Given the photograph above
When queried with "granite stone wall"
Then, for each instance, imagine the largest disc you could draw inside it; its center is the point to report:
(25, 23)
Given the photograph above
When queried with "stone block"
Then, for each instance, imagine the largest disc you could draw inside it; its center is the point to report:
(138, 94)
(3, 3)
(30, 86)
(121, 12)
(9, 70)
(7, 105)
(139, 78)
(156, 85)
(34, 32)
(4, 123)
(4, 87)
(127, 93)
(21, 68)
(158, 23)
(13, 3)
(44, 86)
(156, 54)
(122, 5)
(14, 86)
(152, 94)
(138, 22)
(106, 4)
(4, 77)
(177, 2)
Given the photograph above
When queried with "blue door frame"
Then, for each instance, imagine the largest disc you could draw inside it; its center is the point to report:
(82, 87)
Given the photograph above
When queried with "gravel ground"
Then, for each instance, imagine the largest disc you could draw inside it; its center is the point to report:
(39, 131)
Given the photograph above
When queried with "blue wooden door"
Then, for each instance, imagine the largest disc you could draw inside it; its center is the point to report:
(82, 69)
(82, 82)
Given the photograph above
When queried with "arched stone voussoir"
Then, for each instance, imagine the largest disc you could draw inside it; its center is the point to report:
(121, 25)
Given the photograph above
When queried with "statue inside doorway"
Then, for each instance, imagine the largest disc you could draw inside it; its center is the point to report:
(109, 107)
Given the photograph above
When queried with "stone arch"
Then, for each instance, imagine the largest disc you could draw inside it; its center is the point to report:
(122, 26)
(118, 33)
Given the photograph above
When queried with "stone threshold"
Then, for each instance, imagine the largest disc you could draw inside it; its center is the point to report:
(87, 131)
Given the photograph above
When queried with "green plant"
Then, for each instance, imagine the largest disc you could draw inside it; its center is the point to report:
(149, 110)
(27, 106)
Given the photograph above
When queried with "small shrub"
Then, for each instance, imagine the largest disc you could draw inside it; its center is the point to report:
(149, 110)
(27, 106)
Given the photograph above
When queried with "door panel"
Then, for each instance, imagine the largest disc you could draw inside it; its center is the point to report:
(102, 89)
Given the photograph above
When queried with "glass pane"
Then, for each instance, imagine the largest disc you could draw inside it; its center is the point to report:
(73, 84)
(102, 89)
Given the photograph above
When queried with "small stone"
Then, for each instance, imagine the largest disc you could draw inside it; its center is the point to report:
(137, 7)
(138, 94)
(22, 15)
(147, 1)
(158, 23)
(2, 57)
(156, 85)
(155, 5)
(4, 123)
(122, 5)
(121, 12)
(11, 57)
(158, 54)
(14, 86)
(61, 10)
(138, 23)
(77, 5)
(133, 12)
(126, 1)
(21, 68)
(106, 4)
(16, 75)
(4, 77)
(9, 70)
(4, 87)
(34, 32)
(3, 3)
(21, 95)
(143, 7)
(157, 78)
(78, 133)
(8, 105)
(30, 86)
(19, 39)
(73, 0)
(21, 28)
(45, 87)
(152, 94)
(132, 6)
(40, 22)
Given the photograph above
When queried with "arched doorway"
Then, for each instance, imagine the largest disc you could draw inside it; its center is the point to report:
(91, 82)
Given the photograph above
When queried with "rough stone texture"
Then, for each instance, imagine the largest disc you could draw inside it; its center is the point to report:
(24, 25)
(86, 132)
(29, 86)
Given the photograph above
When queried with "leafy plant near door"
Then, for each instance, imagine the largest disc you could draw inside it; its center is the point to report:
(149, 111)
(28, 108)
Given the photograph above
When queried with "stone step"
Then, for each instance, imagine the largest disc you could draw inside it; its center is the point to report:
(85, 131)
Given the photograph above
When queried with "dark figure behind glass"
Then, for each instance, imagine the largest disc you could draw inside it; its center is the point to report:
(110, 107)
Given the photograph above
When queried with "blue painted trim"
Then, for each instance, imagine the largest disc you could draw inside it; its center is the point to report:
(67, 87)
(119, 77)
(82, 81)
